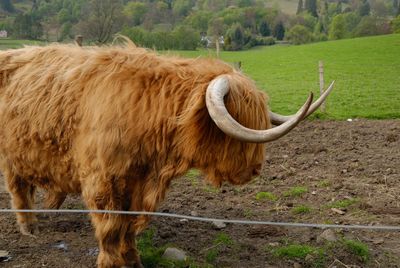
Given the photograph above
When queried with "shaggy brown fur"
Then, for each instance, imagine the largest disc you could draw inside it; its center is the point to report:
(117, 124)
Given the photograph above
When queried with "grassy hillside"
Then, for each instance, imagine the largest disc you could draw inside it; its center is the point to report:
(366, 70)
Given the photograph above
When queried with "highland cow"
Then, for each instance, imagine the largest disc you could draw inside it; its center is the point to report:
(117, 124)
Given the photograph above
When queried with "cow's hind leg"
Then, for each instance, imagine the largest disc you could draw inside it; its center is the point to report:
(54, 199)
(22, 194)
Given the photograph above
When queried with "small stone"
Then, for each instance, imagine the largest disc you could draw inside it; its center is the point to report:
(274, 244)
(309, 258)
(338, 211)
(194, 214)
(93, 251)
(4, 256)
(313, 192)
(219, 225)
(61, 246)
(174, 254)
(378, 241)
(297, 265)
(327, 235)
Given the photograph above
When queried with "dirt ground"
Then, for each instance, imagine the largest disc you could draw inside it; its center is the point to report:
(352, 166)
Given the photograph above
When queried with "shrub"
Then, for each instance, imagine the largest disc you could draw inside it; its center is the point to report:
(299, 35)
(367, 26)
(265, 41)
(337, 29)
(396, 25)
(236, 38)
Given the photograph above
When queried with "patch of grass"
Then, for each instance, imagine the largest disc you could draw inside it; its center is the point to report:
(358, 248)
(345, 203)
(295, 251)
(302, 209)
(192, 176)
(211, 255)
(324, 183)
(295, 191)
(220, 241)
(210, 189)
(266, 196)
(223, 239)
(248, 213)
(193, 173)
(152, 256)
(16, 43)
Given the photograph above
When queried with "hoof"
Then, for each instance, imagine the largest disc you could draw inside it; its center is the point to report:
(134, 265)
(29, 229)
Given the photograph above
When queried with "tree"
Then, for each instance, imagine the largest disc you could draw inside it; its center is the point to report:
(299, 35)
(235, 37)
(395, 6)
(368, 26)
(380, 9)
(27, 26)
(398, 10)
(364, 8)
(396, 25)
(199, 20)
(339, 8)
(7, 5)
(279, 31)
(352, 19)
(182, 7)
(186, 38)
(103, 21)
(264, 28)
(135, 11)
(299, 7)
(337, 29)
(311, 7)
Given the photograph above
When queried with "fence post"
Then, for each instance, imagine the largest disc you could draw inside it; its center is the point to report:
(79, 40)
(217, 45)
(321, 83)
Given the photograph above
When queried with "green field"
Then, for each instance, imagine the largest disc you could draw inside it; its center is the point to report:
(13, 43)
(366, 70)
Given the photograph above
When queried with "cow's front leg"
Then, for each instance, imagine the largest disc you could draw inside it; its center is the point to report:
(128, 248)
(22, 195)
(110, 229)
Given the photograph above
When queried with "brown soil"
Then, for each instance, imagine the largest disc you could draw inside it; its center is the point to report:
(356, 161)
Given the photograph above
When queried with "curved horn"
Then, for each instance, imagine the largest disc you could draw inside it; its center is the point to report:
(278, 119)
(216, 91)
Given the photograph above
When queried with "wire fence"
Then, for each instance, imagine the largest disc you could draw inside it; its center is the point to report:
(206, 219)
